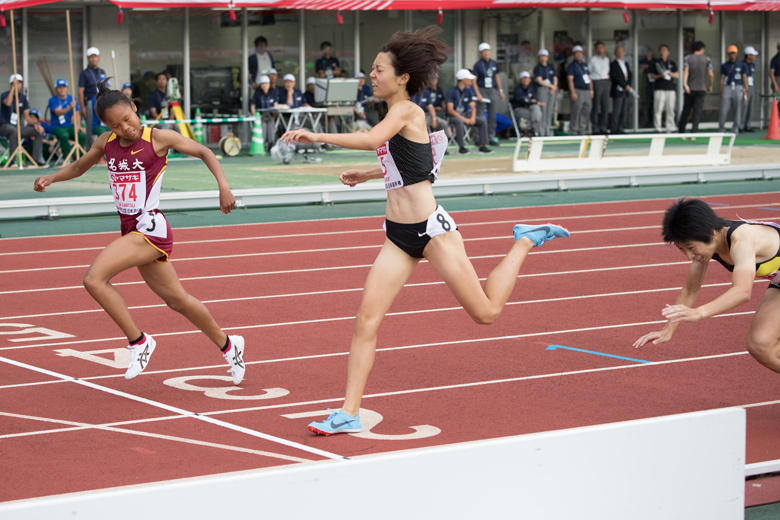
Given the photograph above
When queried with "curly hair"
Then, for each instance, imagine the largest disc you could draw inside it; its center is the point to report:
(418, 54)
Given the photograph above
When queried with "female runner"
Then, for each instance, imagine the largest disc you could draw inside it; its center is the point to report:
(136, 158)
(746, 248)
(415, 225)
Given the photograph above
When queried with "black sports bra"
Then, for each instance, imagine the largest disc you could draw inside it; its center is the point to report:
(413, 160)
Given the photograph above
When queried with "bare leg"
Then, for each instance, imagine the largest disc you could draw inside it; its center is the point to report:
(131, 250)
(763, 338)
(162, 279)
(447, 254)
(387, 276)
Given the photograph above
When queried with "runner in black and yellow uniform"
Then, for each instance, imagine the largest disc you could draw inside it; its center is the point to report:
(749, 250)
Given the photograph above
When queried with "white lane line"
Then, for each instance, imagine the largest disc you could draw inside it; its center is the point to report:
(418, 390)
(337, 354)
(479, 383)
(76, 426)
(377, 229)
(355, 289)
(174, 409)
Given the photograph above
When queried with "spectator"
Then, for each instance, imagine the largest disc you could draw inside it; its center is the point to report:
(127, 90)
(88, 80)
(733, 88)
(663, 72)
(599, 74)
(525, 103)
(308, 96)
(647, 104)
(620, 75)
(774, 70)
(364, 99)
(327, 66)
(259, 62)
(546, 90)
(288, 94)
(695, 67)
(750, 72)
(273, 77)
(158, 100)
(8, 119)
(488, 86)
(61, 107)
(436, 117)
(462, 111)
(581, 88)
(262, 100)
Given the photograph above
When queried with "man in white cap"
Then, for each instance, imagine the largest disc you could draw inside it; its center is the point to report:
(546, 80)
(62, 107)
(264, 99)
(462, 110)
(288, 94)
(581, 89)
(308, 96)
(488, 86)
(525, 103)
(750, 72)
(9, 119)
(88, 81)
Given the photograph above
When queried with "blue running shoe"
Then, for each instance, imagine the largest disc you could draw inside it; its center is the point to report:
(337, 422)
(540, 234)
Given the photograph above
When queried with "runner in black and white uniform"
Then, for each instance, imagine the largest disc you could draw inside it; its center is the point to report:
(416, 226)
(749, 249)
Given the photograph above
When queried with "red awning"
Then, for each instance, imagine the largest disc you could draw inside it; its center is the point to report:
(7, 5)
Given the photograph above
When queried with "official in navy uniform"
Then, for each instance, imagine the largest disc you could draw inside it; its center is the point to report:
(488, 86)
(733, 90)
(88, 88)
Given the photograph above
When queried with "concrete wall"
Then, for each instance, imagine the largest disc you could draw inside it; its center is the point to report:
(104, 33)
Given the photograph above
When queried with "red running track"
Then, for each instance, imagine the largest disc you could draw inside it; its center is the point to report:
(292, 289)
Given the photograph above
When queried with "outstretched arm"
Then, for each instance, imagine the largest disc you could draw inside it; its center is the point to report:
(396, 119)
(164, 140)
(76, 168)
(687, 298)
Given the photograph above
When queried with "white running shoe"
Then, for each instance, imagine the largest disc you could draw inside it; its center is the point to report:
(235, 358)
(139, 356)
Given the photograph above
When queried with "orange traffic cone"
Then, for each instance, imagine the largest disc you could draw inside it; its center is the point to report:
(774, 123)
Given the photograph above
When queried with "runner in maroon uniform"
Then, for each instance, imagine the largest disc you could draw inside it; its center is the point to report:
(136, 158)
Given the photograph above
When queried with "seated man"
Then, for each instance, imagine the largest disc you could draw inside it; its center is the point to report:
(462, 111)
(308, 96)
(263, 99)
(288, 94)
(525, 105)
(62, 106)
(8, 119)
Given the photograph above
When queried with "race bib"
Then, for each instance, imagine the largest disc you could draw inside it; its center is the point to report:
(152, 224)
(129, 191)
(438, 147)
(750, 81)
(393, 179)
(586, 79)
(439, 222)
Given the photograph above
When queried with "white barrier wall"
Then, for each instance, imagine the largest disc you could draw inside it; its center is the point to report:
(675, 467)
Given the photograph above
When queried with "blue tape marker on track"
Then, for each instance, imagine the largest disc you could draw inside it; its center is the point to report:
(771, 209)
(176, 410)
(718, 203)
(555, 347)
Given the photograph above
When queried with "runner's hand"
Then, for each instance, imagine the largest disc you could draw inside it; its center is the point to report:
(658, 336)
(299, 136)
(353, 177)
(41, 183)
(226, 200)
(675, 313)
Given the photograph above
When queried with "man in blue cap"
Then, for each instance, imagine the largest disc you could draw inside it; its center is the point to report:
(9, 119)
(62, 107)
